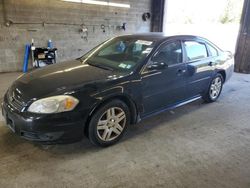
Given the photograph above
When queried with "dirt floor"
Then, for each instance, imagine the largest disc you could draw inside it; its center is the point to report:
(197, 145)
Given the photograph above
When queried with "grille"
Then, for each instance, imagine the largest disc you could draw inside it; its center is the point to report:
(14, 102)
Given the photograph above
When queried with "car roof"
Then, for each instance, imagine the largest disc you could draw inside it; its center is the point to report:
(159, 36)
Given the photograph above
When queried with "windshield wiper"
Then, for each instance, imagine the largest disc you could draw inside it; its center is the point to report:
(101, 66)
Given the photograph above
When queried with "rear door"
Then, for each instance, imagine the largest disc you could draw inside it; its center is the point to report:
(200, 66)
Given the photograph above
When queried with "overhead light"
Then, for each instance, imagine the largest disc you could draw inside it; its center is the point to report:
(105, 3)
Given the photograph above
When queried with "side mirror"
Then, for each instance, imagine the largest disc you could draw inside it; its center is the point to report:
(157, 66)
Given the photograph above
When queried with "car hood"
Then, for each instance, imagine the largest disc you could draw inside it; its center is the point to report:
(59, 78)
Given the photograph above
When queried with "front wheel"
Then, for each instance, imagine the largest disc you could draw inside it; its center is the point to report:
(215, 89)
(109, 123)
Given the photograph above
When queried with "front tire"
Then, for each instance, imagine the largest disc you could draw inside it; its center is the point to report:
(214, 89)
(109, 123)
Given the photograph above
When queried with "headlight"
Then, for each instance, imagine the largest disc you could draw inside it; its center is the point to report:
(55, 104)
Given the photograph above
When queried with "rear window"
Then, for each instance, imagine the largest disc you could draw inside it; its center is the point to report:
(195, 50)
(212, 50)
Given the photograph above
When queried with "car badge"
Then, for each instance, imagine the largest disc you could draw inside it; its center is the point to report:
(12, 97)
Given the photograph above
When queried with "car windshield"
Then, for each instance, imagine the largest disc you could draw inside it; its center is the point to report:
(119, 53)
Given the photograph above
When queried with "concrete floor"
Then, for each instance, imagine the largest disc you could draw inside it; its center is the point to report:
(197, 145)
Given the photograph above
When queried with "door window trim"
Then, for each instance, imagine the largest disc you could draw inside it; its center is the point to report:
(200, 42)
(143, 70)
(210, 53)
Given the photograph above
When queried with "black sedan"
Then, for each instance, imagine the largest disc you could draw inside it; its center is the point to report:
(118, 83)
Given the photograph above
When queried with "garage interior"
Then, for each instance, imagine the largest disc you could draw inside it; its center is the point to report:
(197, 145)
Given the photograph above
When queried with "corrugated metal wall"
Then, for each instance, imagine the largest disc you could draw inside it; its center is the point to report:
(242, 56)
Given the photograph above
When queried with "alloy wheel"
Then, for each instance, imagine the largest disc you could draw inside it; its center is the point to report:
(215, 88)
(111, 124)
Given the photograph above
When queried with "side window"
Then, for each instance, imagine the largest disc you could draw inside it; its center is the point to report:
(195, 50)
(212, 50)
(170, 54)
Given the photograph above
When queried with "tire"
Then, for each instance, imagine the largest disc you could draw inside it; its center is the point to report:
(215, 88)
(109, 123)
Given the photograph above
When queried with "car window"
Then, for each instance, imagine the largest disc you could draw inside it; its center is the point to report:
(115, 48)
(195, 50)
(121, 53)
(170, 54)
(212, 50)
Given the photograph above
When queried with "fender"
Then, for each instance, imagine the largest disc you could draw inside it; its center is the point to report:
(116, 93)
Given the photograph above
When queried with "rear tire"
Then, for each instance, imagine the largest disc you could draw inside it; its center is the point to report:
(109, 123)
(214, 89)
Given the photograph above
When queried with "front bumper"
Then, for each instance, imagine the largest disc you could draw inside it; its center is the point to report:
(47, 128)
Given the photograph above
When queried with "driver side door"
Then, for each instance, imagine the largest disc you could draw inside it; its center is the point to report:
(164, 86)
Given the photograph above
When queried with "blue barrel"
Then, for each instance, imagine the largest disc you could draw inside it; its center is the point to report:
(26, 58)
(50, 44)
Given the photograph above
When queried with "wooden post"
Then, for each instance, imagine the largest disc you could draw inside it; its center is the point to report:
(157, 8)
(242, 55)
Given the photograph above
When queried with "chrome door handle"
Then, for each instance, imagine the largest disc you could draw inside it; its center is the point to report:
(181, 71)
(211, 63)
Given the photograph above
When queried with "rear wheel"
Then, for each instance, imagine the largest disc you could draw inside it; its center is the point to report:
(109, 123)
(215, 88)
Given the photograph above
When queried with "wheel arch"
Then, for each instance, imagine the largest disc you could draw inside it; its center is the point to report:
(126, 99)
(223, 73)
